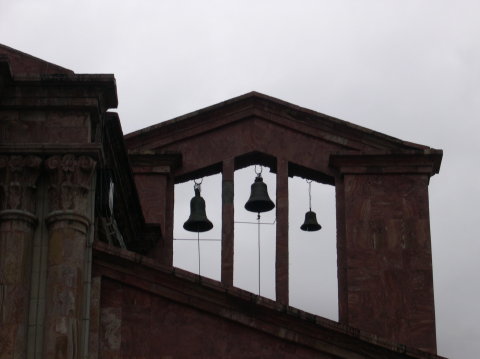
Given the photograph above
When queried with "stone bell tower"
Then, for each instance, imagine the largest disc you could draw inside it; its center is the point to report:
(381, 183)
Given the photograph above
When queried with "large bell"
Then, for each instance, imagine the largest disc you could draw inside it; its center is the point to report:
(198, 221)
(310, 224)
(259, 200)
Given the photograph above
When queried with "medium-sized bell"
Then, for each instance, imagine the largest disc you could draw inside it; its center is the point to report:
(198, 221)
(259, 200)
(310, 224)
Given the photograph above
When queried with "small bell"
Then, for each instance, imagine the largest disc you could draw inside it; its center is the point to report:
(198, 221)
(310, 224)
(259, 200)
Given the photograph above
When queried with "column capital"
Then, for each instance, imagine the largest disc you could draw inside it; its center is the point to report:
(18, 177)
(69, 182)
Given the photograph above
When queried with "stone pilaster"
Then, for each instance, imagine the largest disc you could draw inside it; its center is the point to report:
(228, 172)
(69, 186)
(384, 250)
(18, 177)
(281, 253)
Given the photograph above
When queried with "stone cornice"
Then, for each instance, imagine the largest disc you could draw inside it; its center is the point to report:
(426, 162)
(57, 89)
(93, 150)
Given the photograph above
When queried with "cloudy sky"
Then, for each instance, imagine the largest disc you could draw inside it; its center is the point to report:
(410, 69)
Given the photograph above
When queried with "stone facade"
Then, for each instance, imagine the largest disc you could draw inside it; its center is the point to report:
(86, 228)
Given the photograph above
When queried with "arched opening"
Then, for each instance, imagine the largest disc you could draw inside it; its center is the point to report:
(313, 283)
(186, 247)
(249, 269)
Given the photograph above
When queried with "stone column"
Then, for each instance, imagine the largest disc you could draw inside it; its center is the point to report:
(18, 175)
(227, 222)
(281, 261)
(69, 186)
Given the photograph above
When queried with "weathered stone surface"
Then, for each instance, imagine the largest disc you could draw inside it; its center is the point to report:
(70, 182)
(388, 258)
(52, 127)
(18, 177)
(65, 287)
(147, 310)
(145, 326)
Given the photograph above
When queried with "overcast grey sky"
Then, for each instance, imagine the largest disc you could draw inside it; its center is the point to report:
(410, 69)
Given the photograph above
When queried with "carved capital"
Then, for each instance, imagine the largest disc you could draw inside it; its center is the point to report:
(18, 178)
(70, 179)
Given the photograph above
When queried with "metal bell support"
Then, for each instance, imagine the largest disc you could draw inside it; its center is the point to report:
(259, 200)
(310, 224)
(198, 221)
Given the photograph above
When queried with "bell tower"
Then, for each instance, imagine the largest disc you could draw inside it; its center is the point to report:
(381, 183)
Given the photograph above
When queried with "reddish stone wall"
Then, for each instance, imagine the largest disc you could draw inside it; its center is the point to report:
(151, 190)
(135, 323)
(387, 264)
(50, 127)
(249, 135)
(15, 247)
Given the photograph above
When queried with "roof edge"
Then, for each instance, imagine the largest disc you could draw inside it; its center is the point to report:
(36, 64)
(148, 131)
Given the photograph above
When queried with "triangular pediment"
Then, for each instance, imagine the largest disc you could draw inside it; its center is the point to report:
(256, 123)
(260, 106)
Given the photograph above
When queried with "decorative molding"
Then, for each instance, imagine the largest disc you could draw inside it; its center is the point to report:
(75, 220)
(427, 162)
(18, 177)
(70, 181)
(18, 215)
